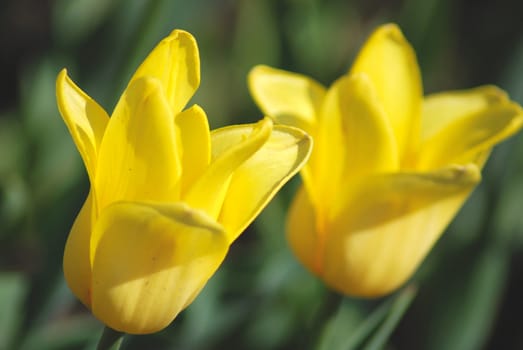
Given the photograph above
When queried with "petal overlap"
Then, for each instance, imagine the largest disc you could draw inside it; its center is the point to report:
(209, 192)
(250, 189)
(391, 64)
(138, 157)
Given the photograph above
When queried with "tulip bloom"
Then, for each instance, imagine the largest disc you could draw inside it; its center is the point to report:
(167, 196)
(389, 169)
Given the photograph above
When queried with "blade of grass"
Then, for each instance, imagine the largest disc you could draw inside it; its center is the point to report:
(397, 310)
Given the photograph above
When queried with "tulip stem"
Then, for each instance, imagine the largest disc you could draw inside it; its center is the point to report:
(110, 339)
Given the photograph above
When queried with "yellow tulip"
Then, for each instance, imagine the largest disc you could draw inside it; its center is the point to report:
(389, 169)
(167, 196)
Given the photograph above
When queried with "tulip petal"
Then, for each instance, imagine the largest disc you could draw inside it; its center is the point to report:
(390, 62)
(176, 64)
(290, 98)
(195, 143)
(388, 225)
(462, 140)
(138, 157)
(442, 109)
(150, 262)
(76, 263)
(368, 138)
(327, 162)
(84, 118)
(305, 236)
(256, 181)
(209, 191)
(354, 139)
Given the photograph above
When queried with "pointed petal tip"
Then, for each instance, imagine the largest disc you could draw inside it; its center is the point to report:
(180, 33)
(300, 135)
(198, 109)
(450, 176)
(360, 82)
(62, 74)
(494, 94)
(462, 174)
(146, 83)
(61, 79)
(260, 69)
(393, 31)
(264, 125)
(189, 40)
(175, 62)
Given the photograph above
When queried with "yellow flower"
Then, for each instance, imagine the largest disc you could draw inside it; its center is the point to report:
(389, 169)
(167, 196)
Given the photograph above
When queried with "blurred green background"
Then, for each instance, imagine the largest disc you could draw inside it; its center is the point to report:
(467, 294)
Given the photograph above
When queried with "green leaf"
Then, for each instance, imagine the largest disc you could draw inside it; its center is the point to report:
(397, 310)
(13, 291)
(76, 19)
(63, 333)
(468, 308)
(349, 330)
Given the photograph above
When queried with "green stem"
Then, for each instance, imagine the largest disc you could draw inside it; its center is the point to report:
(110, 339)
(328, 310)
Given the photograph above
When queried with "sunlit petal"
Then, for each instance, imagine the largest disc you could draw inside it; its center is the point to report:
(257, 180)
(195, 144)
(138, 158)
(150, 262)
(390, 62)
(354, 138)
(444, 108)
(463, 139)
(208, 193)
(176, 64)
(327, 162)
(289, 98)
(84, 118)
(368, 138)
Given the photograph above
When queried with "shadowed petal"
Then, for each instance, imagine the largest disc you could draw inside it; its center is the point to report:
(150, 262)
(176, 64)
(138, 157)
(257, 180)
(84, 118)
